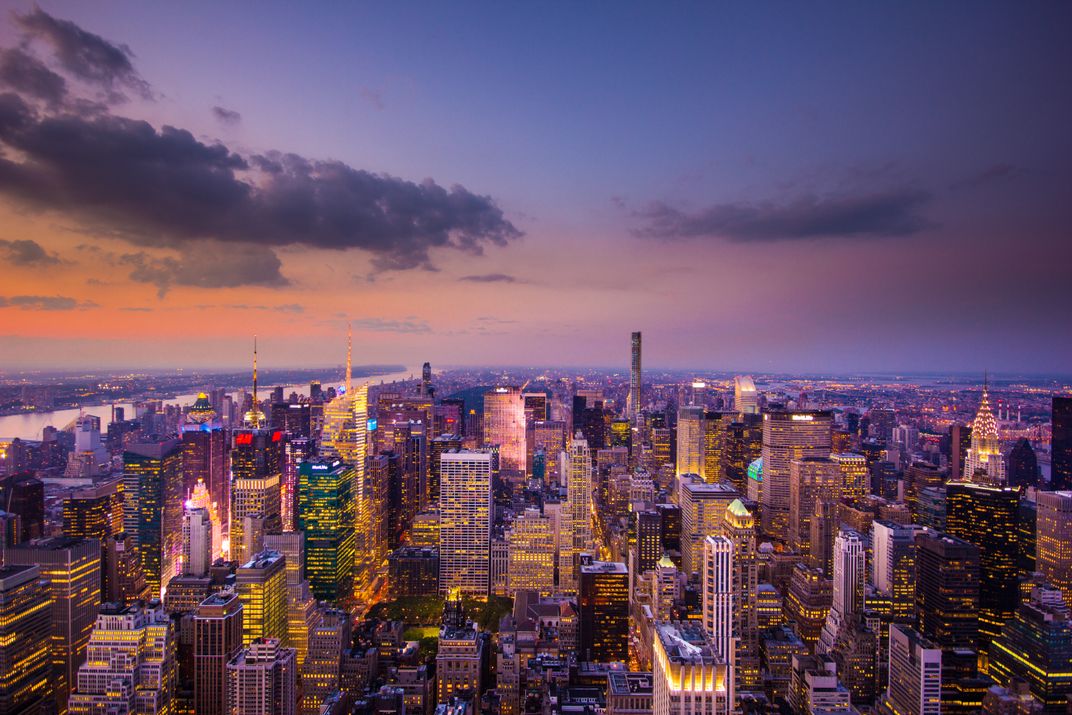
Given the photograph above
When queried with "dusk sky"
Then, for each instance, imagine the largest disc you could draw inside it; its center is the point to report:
(809, 187)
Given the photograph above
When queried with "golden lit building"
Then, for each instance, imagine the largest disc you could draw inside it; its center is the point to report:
(788, 436)
(262, 587)
(1054, 540)
(690, 677)
(531, 543)
(465, 522)
(984, 463)
(855, 477)
(25, 661)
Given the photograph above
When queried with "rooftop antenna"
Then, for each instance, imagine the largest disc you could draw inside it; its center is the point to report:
(256, 406)
(349, 356)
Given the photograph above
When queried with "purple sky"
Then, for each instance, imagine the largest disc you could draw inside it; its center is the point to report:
(821, 187)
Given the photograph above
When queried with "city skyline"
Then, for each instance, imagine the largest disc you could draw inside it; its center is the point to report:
(522, 186)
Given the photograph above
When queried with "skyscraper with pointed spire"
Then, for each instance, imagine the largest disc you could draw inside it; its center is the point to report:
(984, 463)
(254, 417)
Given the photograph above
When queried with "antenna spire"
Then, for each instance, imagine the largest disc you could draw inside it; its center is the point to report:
(349, 356)
(256, 405)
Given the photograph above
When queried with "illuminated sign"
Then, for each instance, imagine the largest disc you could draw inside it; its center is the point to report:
(803, 418)
(372, 425)
(277, 435)
(243, 438)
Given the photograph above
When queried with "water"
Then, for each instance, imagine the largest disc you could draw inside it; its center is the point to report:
(28, 426)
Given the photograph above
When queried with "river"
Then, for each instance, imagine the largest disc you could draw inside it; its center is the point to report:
(29, 425)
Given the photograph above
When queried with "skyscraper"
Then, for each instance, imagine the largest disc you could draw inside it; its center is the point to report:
(690, 676)
(504, 425)
(1035, 646)
(893, 566)
(95, 512)
(788, 435)
(197, 546)
(531, 540)
(809, 479)
(850, 565)
(465, 522)
(1061, 444)
(718, 587)
(261, 584)
(738, 525)
(326, 516)
(575, 523)
(690, 440)
(984, 463)
(1054, 540)
(947, 590)
(915, 668)
(636, 404)
(73, 570)
(205, 457)
(152, 508)
(702, 506)
(263, 679)
(256, 502)
(603, 605)
(217, 639)
(745, 396)
(25, 663)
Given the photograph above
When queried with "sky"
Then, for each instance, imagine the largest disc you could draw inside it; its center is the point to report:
(811, 187)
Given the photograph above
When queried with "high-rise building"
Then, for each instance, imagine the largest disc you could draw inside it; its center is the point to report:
(217, 639)
(465, 522)
(73, 570)
(531, 540)
(320, 675)
(575, 522)
(984, 463)
(261, 584)
(893, 566)
(152, 508)
(504, 425)
(1054, 540)
(809, 479)
(742, 445)
(1036, 647)
(738, 525)
(745, 396)
(689, 675)
(1023, 468)
(426, 380)
(788, 436)
(690, 440)
(459, 659)
(714, 439)
(947, 590)
(855, 477)
(326, 515)
(196, 541)
(665, 589)
(205, 458)
(636, 404)
(603, 605)
(987, 516)
(646, 545)
(850, 564)
(588, 418)
(716, 580)
(256, 502)
(703, 506)
(131, 665)
(1061, 444)
(263, 679)
(95, 512)
(807, 601)
(915, 668)
(25, 662)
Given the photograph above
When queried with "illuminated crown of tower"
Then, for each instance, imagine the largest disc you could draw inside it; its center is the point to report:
(255, 416)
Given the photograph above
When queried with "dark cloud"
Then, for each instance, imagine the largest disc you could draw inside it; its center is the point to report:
(226, 116)
(995, 173)
(880, 214)
(490, 278)
(87, 56)
(44, 302)
(391, 326)
(207, 264)
(24, 73)
(25, 252)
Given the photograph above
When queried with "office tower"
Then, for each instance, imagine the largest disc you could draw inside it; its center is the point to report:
(320, 675)
(262, 679)
(25, 662)
(987, 516)
(893, 566)
(848, 593)
(778, 646)
(742, 445)
(217, 639)
(95, 512)
(295, 451)
(588, 418)
(1036, 647)
(326, 516)
(959, 444)
(738, 525)
(1023, 469)
(603, 604)
(256, 506)
(915, 668)
(73, 570)
(426, 380)
(461, 652)
(1054, 540)
(24, 495)
(702, 506)
(1061, 444)
(947, 590)
(205, 458)
(714, 438)
(465, 522)
(1027, 538)
(197, 546)
(646, 546)
(808, 601)
(636, 404)
(809, 478)
(788, 436)
(855, 478)
(815, 687)
(823, 529)
(670, 526)
(131, 665)
(745, 396)
(152, 507)
(125, 580)
(717, 581)
(984, 463)
(414, 571)
(576, 469)
(690, 440)
(689, 675)
(504, 425)
(261, 584)
(531, 542)
(665, 589)
(437, 446)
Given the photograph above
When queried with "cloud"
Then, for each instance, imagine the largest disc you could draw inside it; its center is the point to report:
(391, 326)
(26, 74)
(490, 278)
(163, 188)
(226, 116)
(87, 56)
(373, 97)
(25, 252)
(44, 302)
(995, 173)
(880, 214)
